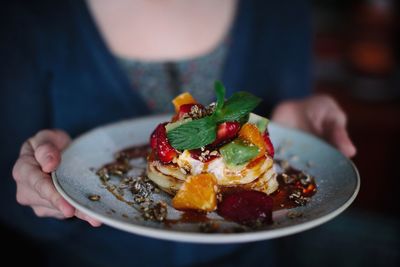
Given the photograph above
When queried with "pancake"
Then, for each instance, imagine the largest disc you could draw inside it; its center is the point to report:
(257, 175)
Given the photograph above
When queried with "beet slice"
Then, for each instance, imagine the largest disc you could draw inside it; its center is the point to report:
(247, 207)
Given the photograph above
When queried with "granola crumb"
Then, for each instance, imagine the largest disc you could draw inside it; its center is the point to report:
(94, 197)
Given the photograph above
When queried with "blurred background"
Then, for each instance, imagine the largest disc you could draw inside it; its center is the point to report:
(357, 60)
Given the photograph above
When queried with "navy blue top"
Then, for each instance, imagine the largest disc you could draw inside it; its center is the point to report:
(58, 73)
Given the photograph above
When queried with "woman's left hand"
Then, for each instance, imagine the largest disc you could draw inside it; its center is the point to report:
(320, 115)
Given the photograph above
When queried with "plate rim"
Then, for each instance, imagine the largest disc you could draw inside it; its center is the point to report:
(205, 238)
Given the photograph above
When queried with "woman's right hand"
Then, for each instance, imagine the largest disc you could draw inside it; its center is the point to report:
(39, 156)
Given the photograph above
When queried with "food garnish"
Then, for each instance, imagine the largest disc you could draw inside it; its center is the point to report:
(201, 132)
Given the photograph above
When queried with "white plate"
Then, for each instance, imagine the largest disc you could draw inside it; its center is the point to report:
(336, 177)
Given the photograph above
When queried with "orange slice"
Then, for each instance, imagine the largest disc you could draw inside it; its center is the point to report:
(198, 192)
(182, 99)
(250, 133)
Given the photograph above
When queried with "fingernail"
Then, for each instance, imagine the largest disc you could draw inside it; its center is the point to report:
(353, 151)
(49, 157)
(96, 223)
(92, 222)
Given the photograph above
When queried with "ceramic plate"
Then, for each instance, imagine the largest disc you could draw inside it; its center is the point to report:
(336, 177)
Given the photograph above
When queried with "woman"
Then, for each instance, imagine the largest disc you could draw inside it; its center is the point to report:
(74, 65)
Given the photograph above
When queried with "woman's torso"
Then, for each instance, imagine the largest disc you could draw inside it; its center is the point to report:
(167, 47)
(64, 75)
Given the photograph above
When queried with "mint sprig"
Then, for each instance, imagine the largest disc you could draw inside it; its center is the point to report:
(220, 93)
(237, 106)
(201, 132)
(193, 134)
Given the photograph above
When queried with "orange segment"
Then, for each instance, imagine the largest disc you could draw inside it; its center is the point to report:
(250, 132)
(198, 192)
(182, 99)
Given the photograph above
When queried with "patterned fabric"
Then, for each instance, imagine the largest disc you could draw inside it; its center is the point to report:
(159, 82)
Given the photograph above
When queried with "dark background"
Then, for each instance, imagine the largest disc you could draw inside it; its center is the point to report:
(357, 61)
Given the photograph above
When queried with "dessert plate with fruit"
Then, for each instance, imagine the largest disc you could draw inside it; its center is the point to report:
(214, 173)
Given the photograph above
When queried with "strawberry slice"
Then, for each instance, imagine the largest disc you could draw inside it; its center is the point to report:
(268, 144)
(226, 131)
(154, 135)
(153, 138)
(246, 207)
(159, 142)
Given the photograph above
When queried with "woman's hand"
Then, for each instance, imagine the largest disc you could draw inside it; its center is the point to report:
(320, 115)
(39, 156)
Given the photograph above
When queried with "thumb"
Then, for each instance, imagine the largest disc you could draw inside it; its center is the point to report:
(48, 156)
(47, 146)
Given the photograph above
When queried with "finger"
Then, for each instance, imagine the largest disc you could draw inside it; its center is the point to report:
(27, 175)
(48, 156)
(58, 138)
(341, 140)
(25, 165)
(27, 197)
(90, 220)
(336, 133)
(317, 115)
(26, 149)
(25, 169)
(43, 185)
(42, 212)
(289, 114)
(47, 145)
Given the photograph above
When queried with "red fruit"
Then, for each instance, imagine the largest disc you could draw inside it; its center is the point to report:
(186, 108)
(164, 150)
(153, 139)
(268, 144)
(226, 131)
(246, 207)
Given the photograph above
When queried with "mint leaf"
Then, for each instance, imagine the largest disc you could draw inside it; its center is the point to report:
(193, 134)
(220, 93)
(238, 105)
